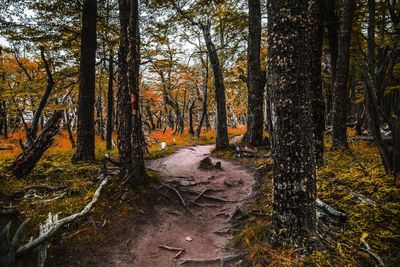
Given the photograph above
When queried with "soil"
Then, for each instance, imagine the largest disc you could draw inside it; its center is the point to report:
(201, 229)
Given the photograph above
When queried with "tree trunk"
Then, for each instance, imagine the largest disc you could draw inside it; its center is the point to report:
(222, 142)
(26, 161)
(85, 142)
(340, 94)
(332, 25)
(191, 130)
(256, 78)
(139, 172)
(32, 132)
(318, 105)
(124, 99)
(150, 117)
(204, 107)
(291, 26)
(110, 101)
(69, 128)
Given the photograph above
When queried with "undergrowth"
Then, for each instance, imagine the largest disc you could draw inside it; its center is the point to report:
(344, 174)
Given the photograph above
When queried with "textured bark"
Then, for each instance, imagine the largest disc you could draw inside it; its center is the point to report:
(204, 107)
(371, 35)
(318, 104)
(26, 161)
(32, 132)
(256, 78)
(291, 25)
(124, 99)
(149, 115)
(85, 142)
(110, 102)
(191, 107)
(332, 26)
(137, 177)
(340, 94)
(3, 119)
(222, 142)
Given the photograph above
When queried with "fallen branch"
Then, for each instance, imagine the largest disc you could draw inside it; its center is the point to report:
(6, 148)
(368, 250)
(42, 239)
(220, 260)
(330, 211)
(171, 248)
(42, 187)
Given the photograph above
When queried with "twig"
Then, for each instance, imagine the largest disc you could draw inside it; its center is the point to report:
(178, 254)
(368, 250)
(171, 248)
(37, 187)
(216, 260)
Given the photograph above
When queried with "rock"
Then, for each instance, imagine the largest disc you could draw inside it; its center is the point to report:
(206, 164)
(218, 165)
(163, 145)
(189, 239)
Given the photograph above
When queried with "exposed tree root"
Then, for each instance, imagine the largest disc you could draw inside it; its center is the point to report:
(171, 248)
(330, 211)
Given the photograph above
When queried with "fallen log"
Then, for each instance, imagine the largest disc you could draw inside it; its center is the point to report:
(6, 148)
(330, 211)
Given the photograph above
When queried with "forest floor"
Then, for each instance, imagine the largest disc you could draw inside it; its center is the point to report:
(132, 227)
(199, 226)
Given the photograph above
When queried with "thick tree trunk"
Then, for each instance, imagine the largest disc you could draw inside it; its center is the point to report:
(291, 25)
(222, 142)
(124, 99)
(256, 78)
(110, 102)
(318, 105)
(138, 175)
(340, 94)
(85, 142)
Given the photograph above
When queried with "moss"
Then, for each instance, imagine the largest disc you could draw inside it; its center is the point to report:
(380, 222)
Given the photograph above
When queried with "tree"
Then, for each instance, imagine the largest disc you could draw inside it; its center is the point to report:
(340, 92)
(291, 25)
(256, 78)
(85, 142)
(130, 136)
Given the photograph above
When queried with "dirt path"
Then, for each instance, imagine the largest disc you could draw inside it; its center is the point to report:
(170, 224)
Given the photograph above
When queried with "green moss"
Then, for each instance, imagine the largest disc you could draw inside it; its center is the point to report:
(380, 222)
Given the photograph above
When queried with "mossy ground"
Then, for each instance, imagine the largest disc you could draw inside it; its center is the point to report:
(107, 218)
(359, 171)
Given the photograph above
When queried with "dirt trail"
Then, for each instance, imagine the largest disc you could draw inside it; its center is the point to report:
(170, 224)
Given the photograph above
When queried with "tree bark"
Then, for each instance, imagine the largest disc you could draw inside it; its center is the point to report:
(85, 142)
(222, 142)
(291, 25)
(191, 107)
(204, 106)
(256, 78)
(332, 26)
(318, 104)
(124, 99)
(340, 94)
(138, 175)
(26, 161)
(110, 102)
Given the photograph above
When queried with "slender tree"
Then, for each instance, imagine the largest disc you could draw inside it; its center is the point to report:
(291, 24)
(110, 102)
(340, 93)
(256, 78)
(85, 142)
